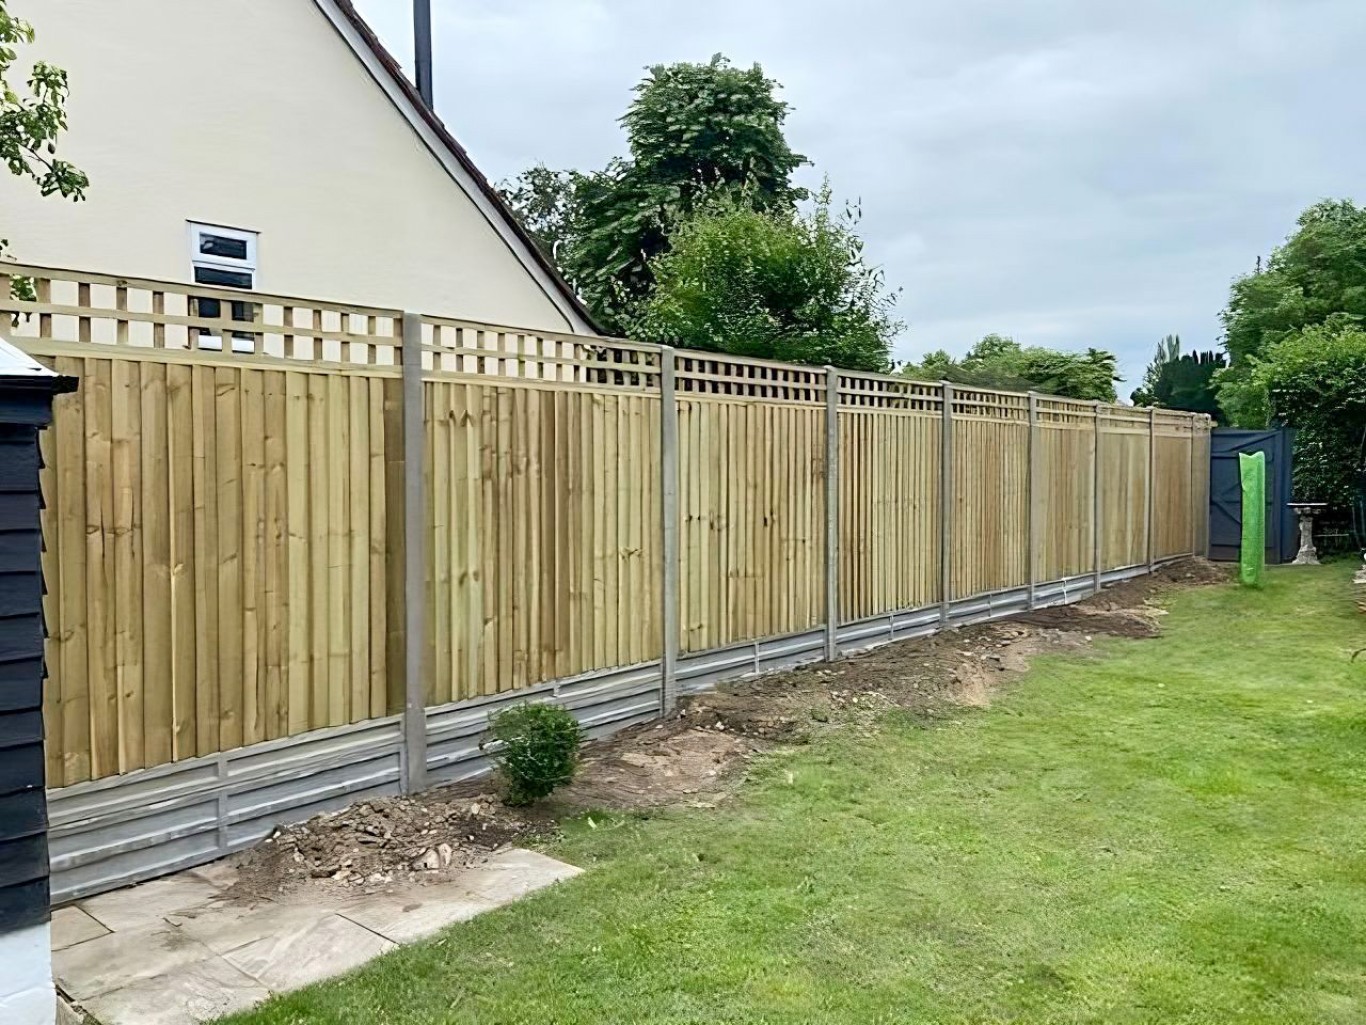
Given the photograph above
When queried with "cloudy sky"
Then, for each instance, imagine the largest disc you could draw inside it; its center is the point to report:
(1069, 172)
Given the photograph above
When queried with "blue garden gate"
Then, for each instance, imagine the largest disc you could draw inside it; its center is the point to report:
(1226, 498)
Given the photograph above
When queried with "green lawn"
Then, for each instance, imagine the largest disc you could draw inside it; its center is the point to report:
(1173, 832)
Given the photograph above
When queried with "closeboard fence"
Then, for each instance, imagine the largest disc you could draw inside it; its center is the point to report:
(297, 551)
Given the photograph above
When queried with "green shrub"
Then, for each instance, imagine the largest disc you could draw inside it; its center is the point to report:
(539, 752)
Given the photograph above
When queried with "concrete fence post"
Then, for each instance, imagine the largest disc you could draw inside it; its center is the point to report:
(945, 503)
(668, 506)
(414, 760)
(1034, 521)
(832, 513)
(1150, 525)
(1098, 548)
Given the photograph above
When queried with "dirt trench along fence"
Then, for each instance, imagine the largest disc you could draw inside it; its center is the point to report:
(297, 551)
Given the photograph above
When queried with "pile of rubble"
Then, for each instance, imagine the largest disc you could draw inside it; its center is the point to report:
(380, 842)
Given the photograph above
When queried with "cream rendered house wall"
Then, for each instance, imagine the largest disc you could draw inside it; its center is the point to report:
(256, 114)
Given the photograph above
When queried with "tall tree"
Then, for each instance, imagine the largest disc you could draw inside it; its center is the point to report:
(771, 284)
(1318, 274)
(1177, 380)
(998, 361)
(693, 130)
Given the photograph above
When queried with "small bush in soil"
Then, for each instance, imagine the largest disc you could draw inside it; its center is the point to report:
(540, 750)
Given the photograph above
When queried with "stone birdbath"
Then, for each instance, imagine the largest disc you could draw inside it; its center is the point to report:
(1308, 555)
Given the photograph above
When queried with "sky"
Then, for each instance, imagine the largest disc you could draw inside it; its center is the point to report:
(1072, 173)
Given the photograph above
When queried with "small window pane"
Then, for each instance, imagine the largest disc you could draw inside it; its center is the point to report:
(224, 278)
(228, 248)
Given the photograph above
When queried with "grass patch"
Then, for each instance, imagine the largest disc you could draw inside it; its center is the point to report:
(1170, 832)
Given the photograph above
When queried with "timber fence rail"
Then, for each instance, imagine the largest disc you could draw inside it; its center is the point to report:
(310, 536)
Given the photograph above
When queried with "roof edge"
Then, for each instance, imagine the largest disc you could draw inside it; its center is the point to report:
(428, 117)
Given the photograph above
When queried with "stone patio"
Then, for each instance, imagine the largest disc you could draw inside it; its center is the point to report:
(180, 950)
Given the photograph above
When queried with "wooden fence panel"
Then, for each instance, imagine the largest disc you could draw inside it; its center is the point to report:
(1173, 483)
(188, 490)
(990, 532)
(1123, 487)
(889, 510)
(544, 534)
(751, 519)
(1065, 440)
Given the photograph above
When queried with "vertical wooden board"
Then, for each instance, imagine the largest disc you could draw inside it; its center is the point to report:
(395, 575)
(518, 556)
(530, 428)
(376, 546)
(358, 534)
(598, 601)
(458, 583)
(467, 514)
(490, 493)
(298, 463)
(561, 501)
(441, 555)
(504, 516)
(100, 607)
(274, 654)
(319, 498)
(227, 409)
(580, 530)
(126, 594)
(545, 453)
(180, 430)
(156, 611)
(439, 685)
(337, 448)
(252, 552)
(71, 470)
(204, 455)
(687, 542)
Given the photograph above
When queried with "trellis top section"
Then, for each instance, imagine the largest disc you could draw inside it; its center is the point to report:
(65, 312)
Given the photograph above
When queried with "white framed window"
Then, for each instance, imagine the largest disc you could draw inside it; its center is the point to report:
(223, 258)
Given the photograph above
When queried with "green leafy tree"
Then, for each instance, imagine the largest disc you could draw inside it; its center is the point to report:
(693, 130)
(1317, 275)
(773, 284)
(30, 124)
(1001, 362)
(1176, 380)
(546, 202)
(1315, 381)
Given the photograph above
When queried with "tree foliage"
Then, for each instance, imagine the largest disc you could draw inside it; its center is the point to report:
(30, 126)
(1176, 380)
(773, 284)
(1315, 381)
(1318, 275)
(693, 130)
(1001, 362)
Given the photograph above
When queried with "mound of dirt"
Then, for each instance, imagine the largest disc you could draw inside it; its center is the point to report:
(379, 842)
(697, 756)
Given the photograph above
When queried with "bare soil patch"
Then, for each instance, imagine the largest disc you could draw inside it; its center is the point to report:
(697, 756)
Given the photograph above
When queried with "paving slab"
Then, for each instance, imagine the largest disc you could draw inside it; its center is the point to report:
(71, 925)
(513, 874)
(150, 902)
(415, 913)
(308, 952)
(193, 993)
(119, 959)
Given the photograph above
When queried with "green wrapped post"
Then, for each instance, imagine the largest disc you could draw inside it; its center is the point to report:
(1252, 471)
